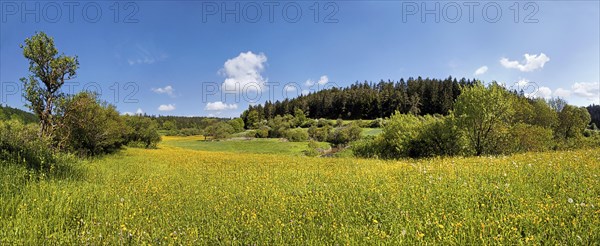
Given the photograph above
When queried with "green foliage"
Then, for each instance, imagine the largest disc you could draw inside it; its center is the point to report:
(341, 136)
(262, 132)
(526, 138)
(141, 131)
(8, 113)
(480, 112)
(220, 130)
(399, 131)
(299, 118)
(320, 134)
(572, 121)
(296, 135)
(49, 68)
(21, 145)
(313, 149)
(89, 127)
(237, 124)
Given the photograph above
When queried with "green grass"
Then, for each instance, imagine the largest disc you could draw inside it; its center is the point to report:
(371, 131)
(176, 196)
(253, 145)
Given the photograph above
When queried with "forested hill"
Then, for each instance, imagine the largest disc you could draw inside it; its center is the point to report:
(371, 100)
(7, 113)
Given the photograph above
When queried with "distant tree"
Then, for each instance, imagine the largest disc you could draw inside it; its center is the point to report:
(49, 68)
(237, 124)
(141, 130)
(572, 121)
(169, 125)
(557, 103)
(480, 111)
(252, 119)
(220, 130)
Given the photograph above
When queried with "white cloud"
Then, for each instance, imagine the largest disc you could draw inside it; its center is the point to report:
(290, 87)
(166, 107)
(243, 73)
(323, 80)
(542, 92)
(590, 91)
(309, 83)
(166, 90)
(532, 62)
(139, 111)
(560, 92)
(481, 70)
(218, 105)
(305, 92)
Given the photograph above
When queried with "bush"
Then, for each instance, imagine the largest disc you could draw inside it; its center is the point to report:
(262, 132)
(20, 144)
(89, 127)
(141, 132)
(531, 138)
(313, 149)
(296, 135)
(237, 124)
(341, 136)
(319, 134)
(219, 130)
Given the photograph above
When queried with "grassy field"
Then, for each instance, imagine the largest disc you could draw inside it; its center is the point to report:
(254, 145)
(173, 195)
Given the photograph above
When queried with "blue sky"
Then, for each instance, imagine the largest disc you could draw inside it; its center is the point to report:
(186, 57)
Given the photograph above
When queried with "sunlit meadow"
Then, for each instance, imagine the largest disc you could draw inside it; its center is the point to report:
(179, 196)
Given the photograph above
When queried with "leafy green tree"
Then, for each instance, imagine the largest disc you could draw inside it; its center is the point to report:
(572, 121)
(252, 120)
(299, 118)
(219, 130)
(49, 68)
(341, 136)
(88, 126)
(237, 124)
(141, 131)
(296, 135)
(399, 131)
(480, 111)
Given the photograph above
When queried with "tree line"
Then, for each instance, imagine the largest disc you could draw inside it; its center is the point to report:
(368, 100)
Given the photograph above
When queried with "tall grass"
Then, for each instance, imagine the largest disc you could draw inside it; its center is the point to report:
(179, 196)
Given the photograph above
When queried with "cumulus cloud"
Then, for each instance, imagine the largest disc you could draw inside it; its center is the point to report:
(560, 92)
(323, 80)
(543, 92)
(244, 73)
(165, 90)
(291, 87)
(531, 62)
(590, 91)
(481, 70)
(309, 83)
(586, 90)
(166, 107)
(218, 106)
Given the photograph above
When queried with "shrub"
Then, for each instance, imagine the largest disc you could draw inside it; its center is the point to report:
(262, 132)
(531, 138)
(141, 132)
(237, 124)
(296, 135)
(341, 136)
(20, 144)
(219, 130)
(319, 134)
(313, 149)
(88, 127)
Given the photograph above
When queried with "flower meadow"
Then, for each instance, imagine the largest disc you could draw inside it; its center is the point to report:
(173, 196)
